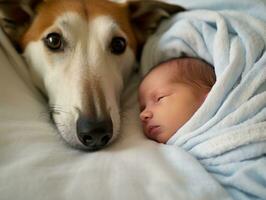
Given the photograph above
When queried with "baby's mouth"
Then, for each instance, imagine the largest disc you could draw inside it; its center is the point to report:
(153, 130)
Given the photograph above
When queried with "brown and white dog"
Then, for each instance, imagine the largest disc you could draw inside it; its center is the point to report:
(80, 55)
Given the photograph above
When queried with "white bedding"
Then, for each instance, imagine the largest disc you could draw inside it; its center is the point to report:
(36, 164)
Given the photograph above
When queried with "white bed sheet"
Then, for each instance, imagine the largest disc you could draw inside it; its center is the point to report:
(36, 164)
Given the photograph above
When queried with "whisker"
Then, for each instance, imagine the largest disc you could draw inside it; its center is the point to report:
(56, 109)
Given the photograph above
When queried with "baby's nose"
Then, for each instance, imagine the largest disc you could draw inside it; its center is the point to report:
(145, 115)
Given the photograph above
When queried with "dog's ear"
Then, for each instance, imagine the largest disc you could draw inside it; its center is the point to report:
(146, 16)
(15, 17)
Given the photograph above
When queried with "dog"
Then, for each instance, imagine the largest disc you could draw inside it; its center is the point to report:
(80, 55)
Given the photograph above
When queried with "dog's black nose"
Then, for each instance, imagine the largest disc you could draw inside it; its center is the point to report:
(94, 134)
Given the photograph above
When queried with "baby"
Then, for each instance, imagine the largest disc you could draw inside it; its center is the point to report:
(171, 93)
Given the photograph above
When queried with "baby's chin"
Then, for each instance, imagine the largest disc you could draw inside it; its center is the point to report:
(160, 137)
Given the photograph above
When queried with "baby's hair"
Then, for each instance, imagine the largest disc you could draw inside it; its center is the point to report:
(193, 71)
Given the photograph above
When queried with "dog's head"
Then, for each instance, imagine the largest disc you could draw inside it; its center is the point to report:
(80, 54)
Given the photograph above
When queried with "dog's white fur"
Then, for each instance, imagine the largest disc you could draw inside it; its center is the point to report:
(62, 75)
(86, 77)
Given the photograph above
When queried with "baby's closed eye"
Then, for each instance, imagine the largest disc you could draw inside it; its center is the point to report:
(161, 97)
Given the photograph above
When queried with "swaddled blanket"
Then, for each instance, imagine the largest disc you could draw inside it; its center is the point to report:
(228, 133)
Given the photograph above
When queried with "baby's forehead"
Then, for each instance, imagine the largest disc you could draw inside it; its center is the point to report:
(178, 68)
(158, 77)
(159, 73)
(163, 69)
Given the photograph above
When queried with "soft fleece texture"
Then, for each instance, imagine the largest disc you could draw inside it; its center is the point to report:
(228, 133)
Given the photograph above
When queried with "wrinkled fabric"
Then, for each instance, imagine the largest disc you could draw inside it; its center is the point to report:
(228, 133)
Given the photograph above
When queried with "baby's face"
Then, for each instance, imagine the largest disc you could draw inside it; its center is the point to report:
(166, 106)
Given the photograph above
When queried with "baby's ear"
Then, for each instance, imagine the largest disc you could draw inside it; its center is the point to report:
(146, 16)
(204, 95)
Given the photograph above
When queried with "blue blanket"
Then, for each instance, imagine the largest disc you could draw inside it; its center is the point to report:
(228, 133)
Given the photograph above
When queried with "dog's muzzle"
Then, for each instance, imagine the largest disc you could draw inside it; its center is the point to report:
(94, 134)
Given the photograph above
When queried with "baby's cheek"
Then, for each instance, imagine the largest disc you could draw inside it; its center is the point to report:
(165, 136)
(175, 125)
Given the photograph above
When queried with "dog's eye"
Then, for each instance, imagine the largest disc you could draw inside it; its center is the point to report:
(118, 45)
(54, 41)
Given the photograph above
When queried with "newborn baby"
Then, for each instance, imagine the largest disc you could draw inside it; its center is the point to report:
(171, 93)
